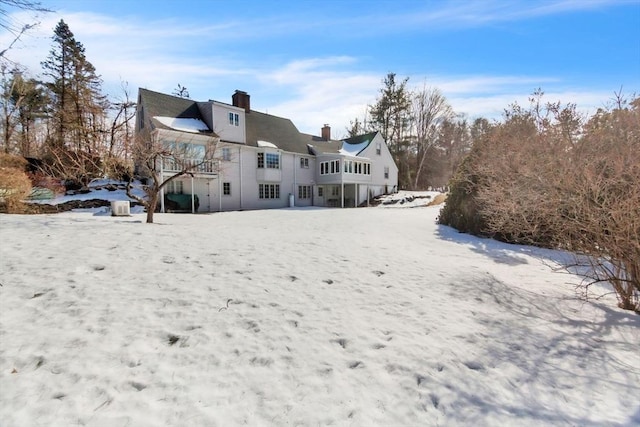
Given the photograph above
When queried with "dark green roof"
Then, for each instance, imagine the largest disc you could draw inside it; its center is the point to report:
(355, 140)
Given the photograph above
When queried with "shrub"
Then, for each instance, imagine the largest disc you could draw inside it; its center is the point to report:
(39, 179)
(460, 210)
(11, 161)
(544, 178)
(15, 187)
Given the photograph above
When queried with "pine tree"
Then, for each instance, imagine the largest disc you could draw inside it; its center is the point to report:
(391, 116)
(77, 109)
(77, 105)
(22, 101)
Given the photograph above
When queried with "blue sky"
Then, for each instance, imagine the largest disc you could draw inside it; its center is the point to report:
(319, 62)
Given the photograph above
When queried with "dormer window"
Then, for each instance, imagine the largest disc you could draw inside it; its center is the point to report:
(234, 119)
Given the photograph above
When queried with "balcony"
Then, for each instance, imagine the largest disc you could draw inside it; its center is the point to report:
(207, 167)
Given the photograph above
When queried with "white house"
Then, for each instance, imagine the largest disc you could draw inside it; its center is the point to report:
(263, 161)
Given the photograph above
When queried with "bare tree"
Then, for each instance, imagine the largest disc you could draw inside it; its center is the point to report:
(15, 29)
(117, 157)
(162, 162)
(181, 91)
(11, 98)
(430, 110)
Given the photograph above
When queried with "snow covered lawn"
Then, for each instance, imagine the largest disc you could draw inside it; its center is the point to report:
(300, 317)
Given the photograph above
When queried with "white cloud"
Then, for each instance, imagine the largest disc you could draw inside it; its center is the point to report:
(321, 90)
(310, 91)
(454, 14)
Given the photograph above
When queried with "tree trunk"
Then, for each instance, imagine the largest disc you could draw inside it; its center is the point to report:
(151, 207)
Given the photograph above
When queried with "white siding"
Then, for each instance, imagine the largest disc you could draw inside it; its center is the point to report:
(222, 127)
(378, 164)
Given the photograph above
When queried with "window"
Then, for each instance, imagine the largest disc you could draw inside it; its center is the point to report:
(386, 172)
(368, 168)
(226, 188)
(335, 190)
(269, 191)
(378, 148)
(304, 191)
(273, 161)
(234, 119)
(226, 154)
(332, 166)
(320, 192)
(304, 162)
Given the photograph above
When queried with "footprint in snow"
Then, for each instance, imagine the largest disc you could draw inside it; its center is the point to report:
(138, 386)
(474, 366)
(343, 342)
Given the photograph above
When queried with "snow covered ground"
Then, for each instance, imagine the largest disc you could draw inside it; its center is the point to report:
(300, 317)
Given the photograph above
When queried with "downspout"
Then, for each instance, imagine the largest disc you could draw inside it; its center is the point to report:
(240, 161)
(193, 197)
(161, 189)
(219, 189)
(295, 179)
(341, 193)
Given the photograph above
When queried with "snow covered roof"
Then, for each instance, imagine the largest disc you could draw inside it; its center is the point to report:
(266, 144)
(183, 124)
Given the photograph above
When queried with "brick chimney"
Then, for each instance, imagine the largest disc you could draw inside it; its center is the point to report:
(241, 99)
(326, 132)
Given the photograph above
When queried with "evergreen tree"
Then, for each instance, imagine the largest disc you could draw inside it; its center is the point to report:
(32, 102)
(77, 109)
(77, 105)
(21, 100)
(390, 115)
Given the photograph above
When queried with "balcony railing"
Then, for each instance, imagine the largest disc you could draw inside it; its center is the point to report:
(170, 164)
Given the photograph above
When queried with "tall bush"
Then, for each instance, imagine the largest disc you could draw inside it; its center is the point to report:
(15, 185)
(545, 177)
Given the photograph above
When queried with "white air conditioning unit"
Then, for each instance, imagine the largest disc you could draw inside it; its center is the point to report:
(120, 208)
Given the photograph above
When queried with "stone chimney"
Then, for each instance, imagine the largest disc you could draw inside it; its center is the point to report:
(326, 132)
(241, 99)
